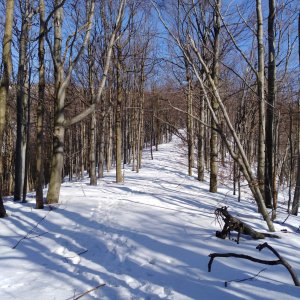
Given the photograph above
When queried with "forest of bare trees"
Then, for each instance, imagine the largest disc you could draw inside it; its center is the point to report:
(87, 85)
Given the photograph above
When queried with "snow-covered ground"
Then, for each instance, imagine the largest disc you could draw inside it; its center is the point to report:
(147, 238)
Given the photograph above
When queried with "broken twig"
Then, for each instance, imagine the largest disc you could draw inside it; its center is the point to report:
(91, 290)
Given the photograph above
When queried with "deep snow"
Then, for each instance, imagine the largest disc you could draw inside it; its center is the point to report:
(147, 238)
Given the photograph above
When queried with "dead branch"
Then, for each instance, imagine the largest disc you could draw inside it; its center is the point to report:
(27, 235)
(91, 290)
(234, 224)
(245, 279)
(280, 261)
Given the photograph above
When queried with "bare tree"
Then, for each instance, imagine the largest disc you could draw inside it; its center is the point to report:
(62, 80)
(195, 59)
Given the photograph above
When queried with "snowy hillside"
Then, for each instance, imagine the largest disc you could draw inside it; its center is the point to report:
(148, 238)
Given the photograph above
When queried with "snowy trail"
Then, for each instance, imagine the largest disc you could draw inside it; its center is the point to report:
(148, 238)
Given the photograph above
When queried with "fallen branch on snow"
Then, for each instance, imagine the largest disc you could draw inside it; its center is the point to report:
(234, 224)
(280, 261)
(91, 290)
(27, 235)
(245, 279)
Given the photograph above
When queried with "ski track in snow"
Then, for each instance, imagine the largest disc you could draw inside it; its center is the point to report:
(147, 238)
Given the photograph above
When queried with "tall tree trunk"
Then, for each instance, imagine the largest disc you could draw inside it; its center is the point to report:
(22, 102)
(296, 199)
(59, 117)
(92, 133)
(61, 84)
(261, 99)
(39, 182)
(141, 130)
(4, 85)
(101, 141)
(240, 158)
(270, 132)
(27, 183)
(201, 132)
(109, 139)
(213, 185)
(118, 118)
(93, 177)
(190, 123)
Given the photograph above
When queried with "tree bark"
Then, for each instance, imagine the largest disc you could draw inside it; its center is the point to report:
(59, 117)
(190, 122)
(93, 177)
(213, 184)
(270, 129)
(4, 85)
(61, 84)
(22, 102)
(261, 99)
(201, 131)
(296, 200)
(118, 117)
(39, 183)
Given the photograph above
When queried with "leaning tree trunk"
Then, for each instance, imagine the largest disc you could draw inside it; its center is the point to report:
(4, 85)
(239, 157)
